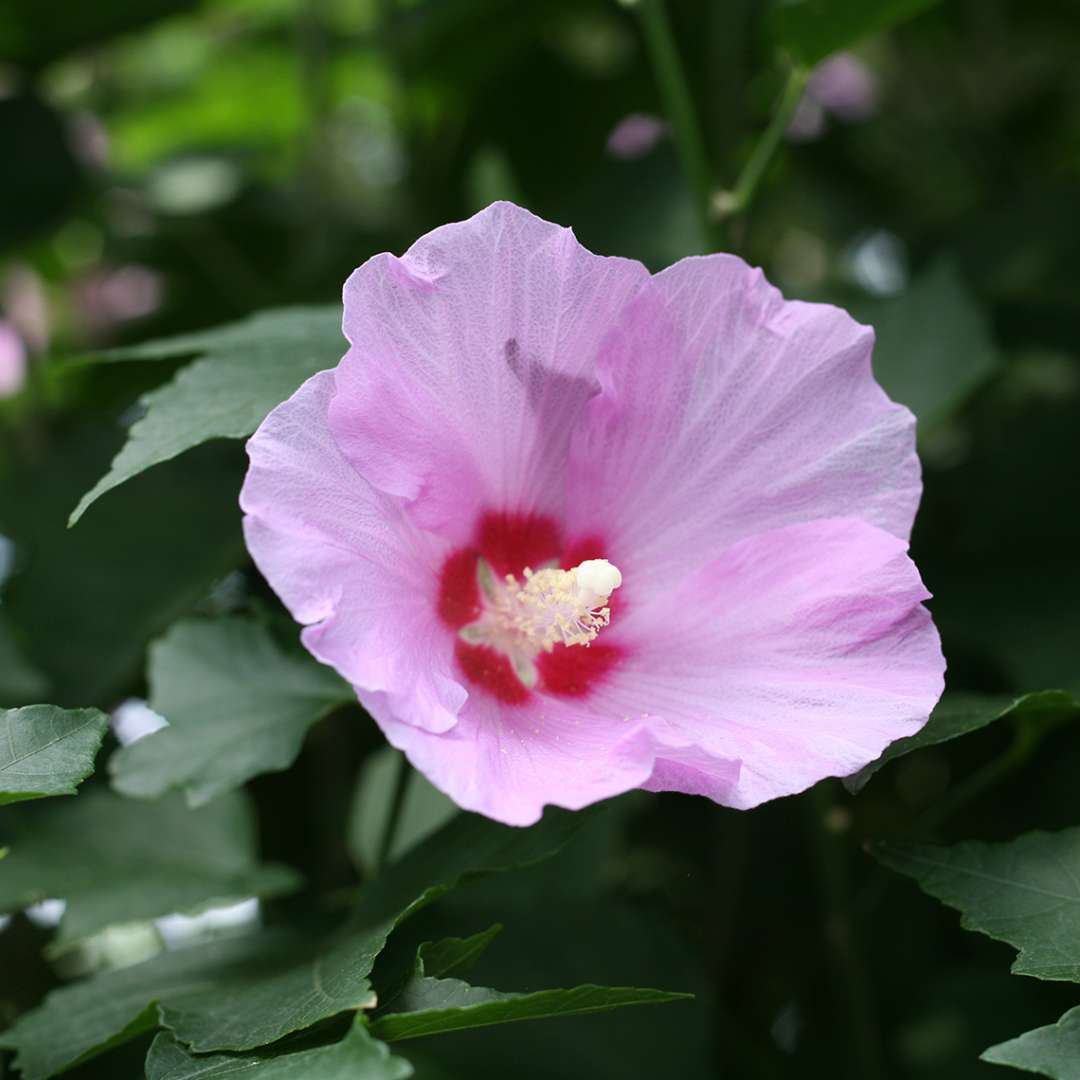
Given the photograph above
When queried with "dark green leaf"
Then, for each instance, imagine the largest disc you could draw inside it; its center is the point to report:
(243, 994)
(87, 602)
(85, 1019)
(434, 1006)
(960, 714)
(812, 29)
(245, 369)
(1025, 892)
(454, 956)
(428, 1003)
(284, 985)
(402, 962)
(237, 705)
(933, 345)
(47, 751)
(357, 1057)
(296, 989)
(1052, 1051)
(115, 861)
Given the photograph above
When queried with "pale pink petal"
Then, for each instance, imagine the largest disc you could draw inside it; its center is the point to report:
(509, 762)
(347, 563)
(729, 451)
(726, 411)
(798, 654)
(471, 358)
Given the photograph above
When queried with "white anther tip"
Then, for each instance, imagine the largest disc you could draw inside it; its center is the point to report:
(599, 577)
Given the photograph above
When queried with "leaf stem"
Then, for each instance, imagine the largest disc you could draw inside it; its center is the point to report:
(679, 106)
(726, 204)
(393, 816)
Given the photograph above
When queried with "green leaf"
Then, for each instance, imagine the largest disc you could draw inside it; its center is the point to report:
(1025, 892)
(812, 29)
(1052, 1051)
(87, 602)
(933, 344)
(47, 751)
(402, 961)
(247, 993)
(245, 369)
(300, 989)
(452, 956)
(80, 1021)
(117, 861)
(961, 714)
(237, 705)
(356, 1057)
(424, 810)
(427, 1003)
(435, 1006)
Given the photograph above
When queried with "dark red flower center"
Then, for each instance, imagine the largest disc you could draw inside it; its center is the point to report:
(508, 544)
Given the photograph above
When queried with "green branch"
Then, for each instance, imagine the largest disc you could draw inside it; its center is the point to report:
(679, 106)
(726, 204)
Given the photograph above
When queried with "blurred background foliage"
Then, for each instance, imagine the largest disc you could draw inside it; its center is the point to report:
(172, 164)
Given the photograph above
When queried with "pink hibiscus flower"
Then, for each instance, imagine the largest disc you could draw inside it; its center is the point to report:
(571, 529)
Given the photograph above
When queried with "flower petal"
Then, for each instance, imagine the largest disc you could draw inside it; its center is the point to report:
(345, 561)
(800, 654)
(509, 762)
(727, 411)
(471, 358)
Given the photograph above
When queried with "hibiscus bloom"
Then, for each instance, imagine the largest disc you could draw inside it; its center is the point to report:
(571, 529)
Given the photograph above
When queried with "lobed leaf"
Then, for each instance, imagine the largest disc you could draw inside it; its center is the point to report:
(115, 861)
(245, 369)
(237, 705)
(1052, 1051)
(1025, 892)
(356, 1057)
(253, 991)
(961, 714)
(47, 751)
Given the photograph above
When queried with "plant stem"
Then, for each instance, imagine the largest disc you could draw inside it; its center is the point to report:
(679, 106)
(393, 816)
(727, 204)
(852, 979)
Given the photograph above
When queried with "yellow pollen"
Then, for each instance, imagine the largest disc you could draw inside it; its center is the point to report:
(552, 607)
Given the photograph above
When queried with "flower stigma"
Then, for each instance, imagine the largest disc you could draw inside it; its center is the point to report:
(547, 607)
